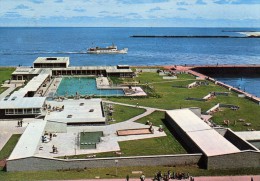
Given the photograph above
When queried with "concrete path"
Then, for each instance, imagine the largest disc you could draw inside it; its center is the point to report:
(130, 105)
(7, 128)
(209, 178)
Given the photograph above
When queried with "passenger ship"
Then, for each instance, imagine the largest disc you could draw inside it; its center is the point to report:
(108, 50)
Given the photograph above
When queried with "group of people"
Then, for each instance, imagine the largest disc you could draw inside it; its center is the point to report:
(169, 175)
(20, 123)
(45, 139)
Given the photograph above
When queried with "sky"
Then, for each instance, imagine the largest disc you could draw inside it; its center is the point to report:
(130, 13)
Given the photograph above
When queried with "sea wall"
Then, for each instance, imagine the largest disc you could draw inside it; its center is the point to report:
(230, 70)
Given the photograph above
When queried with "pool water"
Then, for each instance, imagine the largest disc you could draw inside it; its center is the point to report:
(88, 140)
(84, 86)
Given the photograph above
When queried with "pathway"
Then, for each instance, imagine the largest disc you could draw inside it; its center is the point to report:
(130, 105)
(205, 178)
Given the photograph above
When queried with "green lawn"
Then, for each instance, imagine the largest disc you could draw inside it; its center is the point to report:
(5, 74)
(153, 146)
(110, 172)
(123, 113)
(174, 98)
(9, 146)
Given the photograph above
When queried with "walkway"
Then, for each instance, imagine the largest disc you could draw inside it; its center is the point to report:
(130, 105)
(8, 128)
(207, 178)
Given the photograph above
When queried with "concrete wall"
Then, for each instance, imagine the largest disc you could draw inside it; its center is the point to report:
(237, 141)
(244, 159)
(181, 135)
(38, 163)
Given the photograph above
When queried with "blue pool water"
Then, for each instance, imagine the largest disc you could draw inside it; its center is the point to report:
(84, 86)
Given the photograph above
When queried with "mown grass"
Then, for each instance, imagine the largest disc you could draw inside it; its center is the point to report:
(123, 113)
(5, 74)
(174, 98)
(110, 172)
(9, 146)
(153, 146)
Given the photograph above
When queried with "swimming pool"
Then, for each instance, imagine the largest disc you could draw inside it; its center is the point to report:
(84, 86)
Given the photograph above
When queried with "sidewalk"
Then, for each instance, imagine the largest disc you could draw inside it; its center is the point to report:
(209, 178)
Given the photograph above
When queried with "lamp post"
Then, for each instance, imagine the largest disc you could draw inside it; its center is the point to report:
(116, 162)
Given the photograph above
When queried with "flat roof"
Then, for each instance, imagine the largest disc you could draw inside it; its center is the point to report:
(28, 142)
(52, 60)
(26, 70)
(109, 69)
(206, 138)
(80, 111)
(23, 103)
(249, 135)
(17, 99)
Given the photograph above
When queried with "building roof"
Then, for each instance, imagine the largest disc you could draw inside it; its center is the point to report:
(26, 70)
(52, 60)
(17, 99)
(23, 103)
(249, 135)
(206, 138)
(28, 142)
(80, 111)
(109, 69)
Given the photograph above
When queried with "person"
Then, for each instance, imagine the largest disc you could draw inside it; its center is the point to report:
(53, 149)
(50, 136)
(43, 139)
(169, 174)
(18, 123)
(159, 175)
(142, 177)
(21, 123)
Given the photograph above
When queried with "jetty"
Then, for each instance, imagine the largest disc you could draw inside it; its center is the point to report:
(193, 36)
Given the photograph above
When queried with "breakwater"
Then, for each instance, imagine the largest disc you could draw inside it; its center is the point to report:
(230, 70)
(191, 36)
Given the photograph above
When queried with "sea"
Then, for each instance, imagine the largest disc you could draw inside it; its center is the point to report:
(21, 46)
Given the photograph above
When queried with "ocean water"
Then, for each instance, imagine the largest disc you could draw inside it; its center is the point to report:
(21, 46)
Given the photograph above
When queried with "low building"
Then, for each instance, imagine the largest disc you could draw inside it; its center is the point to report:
(22, 103)
(221, 148)
(51, 62)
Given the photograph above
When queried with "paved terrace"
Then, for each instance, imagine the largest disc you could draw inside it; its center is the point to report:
(66, 139)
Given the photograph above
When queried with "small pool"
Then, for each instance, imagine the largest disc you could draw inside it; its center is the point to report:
(84, 86)
(88, 140)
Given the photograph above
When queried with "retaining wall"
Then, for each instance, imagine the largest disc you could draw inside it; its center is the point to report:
(39, 163)
(246, 159)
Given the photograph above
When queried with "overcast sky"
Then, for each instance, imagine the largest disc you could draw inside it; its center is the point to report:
(130, 13)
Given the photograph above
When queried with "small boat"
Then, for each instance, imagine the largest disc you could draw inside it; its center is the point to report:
(108, 50)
